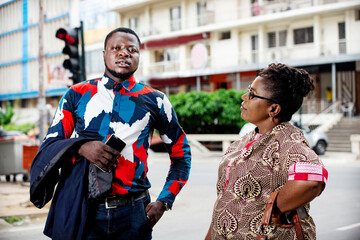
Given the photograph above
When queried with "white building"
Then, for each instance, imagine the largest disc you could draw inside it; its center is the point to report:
(211, 44)
(187, 44)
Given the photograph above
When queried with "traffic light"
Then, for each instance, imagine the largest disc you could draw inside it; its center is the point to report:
(71, 38)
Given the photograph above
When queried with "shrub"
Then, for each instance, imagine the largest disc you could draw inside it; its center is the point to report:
(5, 118)
(204, 112)
(25, 128)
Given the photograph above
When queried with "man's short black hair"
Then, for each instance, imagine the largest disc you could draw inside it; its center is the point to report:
(121, 29)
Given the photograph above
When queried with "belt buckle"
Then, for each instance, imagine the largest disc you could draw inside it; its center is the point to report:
(106, 202)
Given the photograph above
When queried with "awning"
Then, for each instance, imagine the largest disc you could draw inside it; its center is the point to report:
(171, 82)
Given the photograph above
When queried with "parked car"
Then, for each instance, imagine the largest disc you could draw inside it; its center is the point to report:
(4, 133)
(318, 141)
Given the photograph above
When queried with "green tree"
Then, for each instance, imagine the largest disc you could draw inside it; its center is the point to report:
(5, 118)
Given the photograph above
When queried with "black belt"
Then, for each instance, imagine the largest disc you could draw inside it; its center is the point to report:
(115, 201)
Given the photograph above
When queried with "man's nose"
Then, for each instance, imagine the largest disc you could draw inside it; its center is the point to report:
(123, 52)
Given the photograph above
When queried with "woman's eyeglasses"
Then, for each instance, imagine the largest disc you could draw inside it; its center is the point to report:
(252, 95)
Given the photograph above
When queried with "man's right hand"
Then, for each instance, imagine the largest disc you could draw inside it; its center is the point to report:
(100, 154)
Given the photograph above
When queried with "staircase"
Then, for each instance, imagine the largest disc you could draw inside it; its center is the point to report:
(339, 134)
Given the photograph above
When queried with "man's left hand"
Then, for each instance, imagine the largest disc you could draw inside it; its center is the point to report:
(154, 212)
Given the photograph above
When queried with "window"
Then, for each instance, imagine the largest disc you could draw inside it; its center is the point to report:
(225, 35)
(342, 37)
(277, 39)
(341, 30)
(271, 39)
(166, 60)
(175, 18)
(254, 48)
(201, 7)
(357, 15)
(254, 42)
(282, 38)
(133, 23)
(303, 35)
(23, 103)
(169, 54)
(205, 15)
(255, 8)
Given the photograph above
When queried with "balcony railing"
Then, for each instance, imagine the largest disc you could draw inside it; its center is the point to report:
(206, 18)
(166, 66)
(275, 6)
(277, 54)
(175, 24)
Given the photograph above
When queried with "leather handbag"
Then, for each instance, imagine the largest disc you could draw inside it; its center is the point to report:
(265, 221)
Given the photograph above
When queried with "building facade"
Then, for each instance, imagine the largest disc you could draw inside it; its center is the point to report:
(187, 45)
(211, 44)
(19, 51)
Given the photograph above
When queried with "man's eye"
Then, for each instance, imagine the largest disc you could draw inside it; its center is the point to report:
(132, 50)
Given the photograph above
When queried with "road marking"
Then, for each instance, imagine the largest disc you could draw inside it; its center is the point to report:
(348, 227)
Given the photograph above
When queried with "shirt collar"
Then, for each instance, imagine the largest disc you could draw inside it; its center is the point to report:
(128, 84)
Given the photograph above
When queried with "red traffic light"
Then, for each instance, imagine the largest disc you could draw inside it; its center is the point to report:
(70, 36)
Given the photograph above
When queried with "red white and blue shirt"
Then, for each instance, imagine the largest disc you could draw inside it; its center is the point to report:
(97, 108)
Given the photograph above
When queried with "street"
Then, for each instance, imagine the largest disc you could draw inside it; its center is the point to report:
(335, 212)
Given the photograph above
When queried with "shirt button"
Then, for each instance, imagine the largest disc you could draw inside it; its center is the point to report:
(113, 119)
(115, 104)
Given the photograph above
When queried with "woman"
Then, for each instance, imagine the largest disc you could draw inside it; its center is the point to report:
(275, 156)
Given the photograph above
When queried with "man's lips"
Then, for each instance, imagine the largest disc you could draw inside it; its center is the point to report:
(122, 63)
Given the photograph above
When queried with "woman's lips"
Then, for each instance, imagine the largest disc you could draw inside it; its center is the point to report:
(242, 108)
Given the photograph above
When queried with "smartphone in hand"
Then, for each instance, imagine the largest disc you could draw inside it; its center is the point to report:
(116, 143)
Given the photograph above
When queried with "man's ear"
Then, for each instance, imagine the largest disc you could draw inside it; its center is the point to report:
(275, 109)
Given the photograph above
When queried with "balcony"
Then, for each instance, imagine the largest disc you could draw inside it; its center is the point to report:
(206, 18)
(175, 25)
(165, 66)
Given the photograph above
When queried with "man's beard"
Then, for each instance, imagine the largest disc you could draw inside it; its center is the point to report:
(122, 76)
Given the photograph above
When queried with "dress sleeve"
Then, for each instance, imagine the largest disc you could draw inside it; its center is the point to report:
(307, 171)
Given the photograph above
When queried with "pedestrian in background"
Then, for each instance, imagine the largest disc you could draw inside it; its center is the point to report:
(275, 157)
(328, 93)
(82, 206)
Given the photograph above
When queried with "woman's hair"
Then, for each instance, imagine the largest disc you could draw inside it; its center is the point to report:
(288, 86)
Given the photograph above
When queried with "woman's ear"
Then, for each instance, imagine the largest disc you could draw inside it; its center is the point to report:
(274, 110)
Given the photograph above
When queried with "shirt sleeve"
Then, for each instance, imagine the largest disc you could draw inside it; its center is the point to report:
(63, 123)
(178, 147)
(307, 171)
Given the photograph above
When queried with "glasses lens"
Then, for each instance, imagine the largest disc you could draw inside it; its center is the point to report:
(250, 93)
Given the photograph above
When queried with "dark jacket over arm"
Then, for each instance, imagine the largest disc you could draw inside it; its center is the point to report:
(52, 165)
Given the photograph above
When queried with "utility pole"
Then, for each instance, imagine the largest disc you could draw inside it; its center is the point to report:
(41, 99)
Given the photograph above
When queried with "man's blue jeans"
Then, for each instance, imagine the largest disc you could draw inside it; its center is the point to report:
(122, 223)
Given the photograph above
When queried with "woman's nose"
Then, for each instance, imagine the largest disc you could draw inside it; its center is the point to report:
(243, 96)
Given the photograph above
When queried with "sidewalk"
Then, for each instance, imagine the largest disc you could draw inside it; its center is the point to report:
(14, 196)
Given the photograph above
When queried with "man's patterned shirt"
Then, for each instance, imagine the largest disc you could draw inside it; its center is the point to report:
(97, 108)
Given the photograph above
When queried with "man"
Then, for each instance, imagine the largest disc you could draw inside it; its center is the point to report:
(95, 109)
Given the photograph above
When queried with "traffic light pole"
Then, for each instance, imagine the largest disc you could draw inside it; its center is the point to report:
(41, 99)
(75, 62)
(82, 64)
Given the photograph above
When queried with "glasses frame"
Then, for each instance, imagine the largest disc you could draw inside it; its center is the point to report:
(252, 95)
